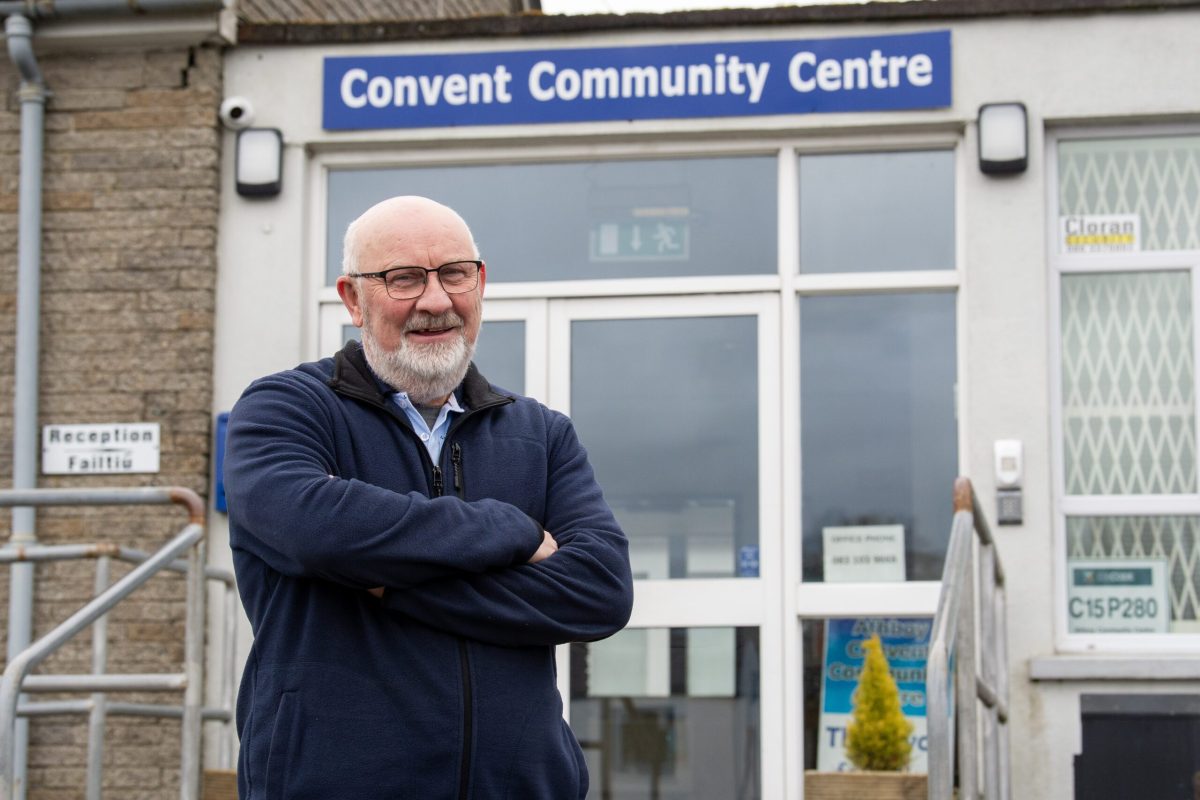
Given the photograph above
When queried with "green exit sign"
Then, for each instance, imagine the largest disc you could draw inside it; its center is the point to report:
(640, 240)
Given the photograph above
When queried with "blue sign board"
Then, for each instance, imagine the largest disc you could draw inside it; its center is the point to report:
(906, 645)
(723, 79)
(219, 490)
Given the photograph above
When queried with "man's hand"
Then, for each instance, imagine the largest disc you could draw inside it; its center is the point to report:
(377, 591)
(547, 548)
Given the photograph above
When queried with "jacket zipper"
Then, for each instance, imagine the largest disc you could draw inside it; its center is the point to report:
(456, 461)
(464, 778)
(464, 664)
(464, 775)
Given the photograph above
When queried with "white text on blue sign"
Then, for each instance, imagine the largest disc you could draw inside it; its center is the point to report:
(876, 73)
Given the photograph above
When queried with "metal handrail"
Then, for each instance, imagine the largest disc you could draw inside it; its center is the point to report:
(16, 678)
(968, 662)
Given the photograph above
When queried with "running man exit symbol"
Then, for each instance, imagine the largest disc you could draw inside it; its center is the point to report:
(640, 240)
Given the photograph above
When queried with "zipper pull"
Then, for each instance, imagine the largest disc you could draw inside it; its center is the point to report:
(437, 481)
(456, 460)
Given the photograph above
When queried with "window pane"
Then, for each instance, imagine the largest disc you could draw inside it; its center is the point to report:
(1128, 389)
(874, 212)
(878, 433)
(500, 354)
(1133, 574)
(669, 713)
(833, 659)
(668, 409)
(611, 219)
(1155, 178)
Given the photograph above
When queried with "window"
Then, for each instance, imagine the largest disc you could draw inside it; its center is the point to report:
(669, 713)
(878, 429)
(875, 212)
(668, 409)
(589, 219)
(878, 370)
(1127, 249)
(1129, 423)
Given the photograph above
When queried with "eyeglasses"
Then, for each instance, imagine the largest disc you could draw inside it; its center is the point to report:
(406, 283)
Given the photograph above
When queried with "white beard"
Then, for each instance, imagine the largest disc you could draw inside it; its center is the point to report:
(426, 372)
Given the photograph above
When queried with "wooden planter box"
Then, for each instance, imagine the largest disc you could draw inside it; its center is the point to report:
(220, 785)
(865, 786)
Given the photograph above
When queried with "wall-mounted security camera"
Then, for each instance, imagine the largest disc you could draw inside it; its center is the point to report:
(237, 113)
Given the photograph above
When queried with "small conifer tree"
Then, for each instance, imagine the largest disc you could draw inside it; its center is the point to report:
(877, 737)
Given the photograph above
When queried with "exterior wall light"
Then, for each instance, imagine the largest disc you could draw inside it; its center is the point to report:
(259, 162)
(1003, 138)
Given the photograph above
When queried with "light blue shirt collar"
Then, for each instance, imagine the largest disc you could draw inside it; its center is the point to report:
(435, 438)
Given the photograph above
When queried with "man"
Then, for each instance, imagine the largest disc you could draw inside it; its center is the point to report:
(410, 543)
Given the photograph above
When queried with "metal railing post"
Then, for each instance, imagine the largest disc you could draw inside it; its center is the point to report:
(193, 697)
(227, 758)
(965, 669)
(942, 683)
(1002, 755)
(988, 668)
(970, 633)
(97, 716)
(940, 719)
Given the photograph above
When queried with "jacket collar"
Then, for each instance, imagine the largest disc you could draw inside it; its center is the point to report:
(352, 377)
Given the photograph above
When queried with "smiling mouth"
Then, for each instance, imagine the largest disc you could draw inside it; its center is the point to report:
(430, 332)
(430, 326)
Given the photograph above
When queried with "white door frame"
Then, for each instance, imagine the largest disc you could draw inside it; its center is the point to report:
(712, 602)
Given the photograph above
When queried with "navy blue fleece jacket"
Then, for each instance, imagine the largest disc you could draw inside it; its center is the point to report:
(444, 689)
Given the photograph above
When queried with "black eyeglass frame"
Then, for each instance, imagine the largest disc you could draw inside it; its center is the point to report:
(382, 275)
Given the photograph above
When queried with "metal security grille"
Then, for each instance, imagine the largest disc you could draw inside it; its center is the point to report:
(1128, 388)
(1157, 178)
(1171, 538)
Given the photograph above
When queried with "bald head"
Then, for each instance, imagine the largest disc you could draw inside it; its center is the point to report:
(406, 224)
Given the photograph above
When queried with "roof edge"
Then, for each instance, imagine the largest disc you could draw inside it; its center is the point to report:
(535, 24)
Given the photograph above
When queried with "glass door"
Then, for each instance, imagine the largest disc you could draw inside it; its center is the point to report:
(677, 402)
(511, 348)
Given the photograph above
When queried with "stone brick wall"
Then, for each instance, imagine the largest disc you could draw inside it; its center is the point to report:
(128, 275)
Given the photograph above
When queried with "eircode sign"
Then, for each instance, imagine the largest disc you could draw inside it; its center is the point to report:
(1118, 596)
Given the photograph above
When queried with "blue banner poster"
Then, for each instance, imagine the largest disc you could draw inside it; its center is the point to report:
(906, 645)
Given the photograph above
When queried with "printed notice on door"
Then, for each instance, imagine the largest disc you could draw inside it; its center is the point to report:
(864, 553)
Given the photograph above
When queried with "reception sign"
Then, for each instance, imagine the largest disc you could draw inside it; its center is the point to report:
(110, 449)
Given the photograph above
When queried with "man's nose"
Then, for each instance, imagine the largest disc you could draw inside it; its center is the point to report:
(434, 299)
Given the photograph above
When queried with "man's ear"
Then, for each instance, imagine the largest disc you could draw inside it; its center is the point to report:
(482, 277)
(348, 290)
